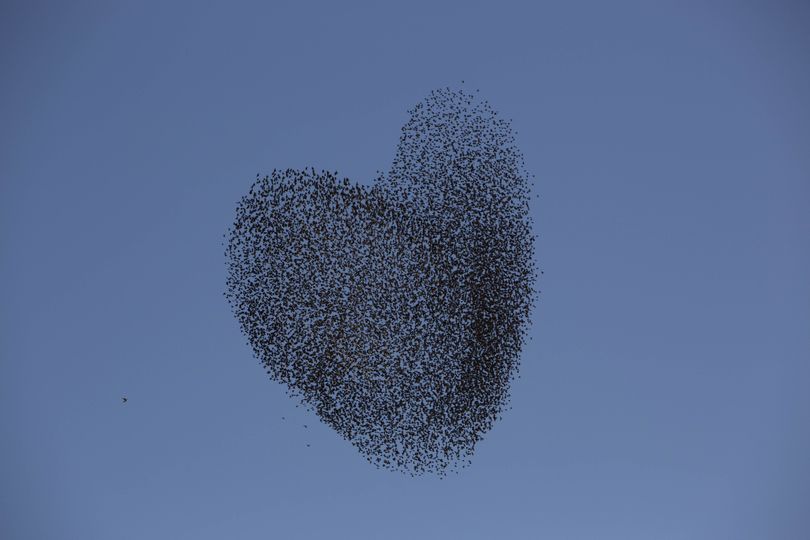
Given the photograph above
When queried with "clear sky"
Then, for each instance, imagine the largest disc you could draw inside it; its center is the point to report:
(664, 394)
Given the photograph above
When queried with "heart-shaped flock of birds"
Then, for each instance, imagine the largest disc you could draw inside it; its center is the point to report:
(397, 312)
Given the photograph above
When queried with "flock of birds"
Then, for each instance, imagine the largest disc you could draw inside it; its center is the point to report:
(396, 312)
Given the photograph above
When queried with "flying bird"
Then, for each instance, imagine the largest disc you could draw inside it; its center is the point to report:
(396, 313)
(123, 399)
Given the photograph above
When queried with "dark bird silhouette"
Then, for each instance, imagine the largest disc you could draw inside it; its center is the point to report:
(123, 400)
(398, 312)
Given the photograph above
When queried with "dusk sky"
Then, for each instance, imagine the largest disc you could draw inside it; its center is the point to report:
(664, 390)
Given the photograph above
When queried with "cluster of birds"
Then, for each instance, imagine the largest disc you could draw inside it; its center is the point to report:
(396, 312)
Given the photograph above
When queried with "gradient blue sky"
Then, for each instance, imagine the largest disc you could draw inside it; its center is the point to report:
(664, 394)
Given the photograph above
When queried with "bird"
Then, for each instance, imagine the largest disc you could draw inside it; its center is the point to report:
(462, 233)
(123, 399)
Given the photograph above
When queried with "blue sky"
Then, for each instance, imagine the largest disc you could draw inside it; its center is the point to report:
(663, 393)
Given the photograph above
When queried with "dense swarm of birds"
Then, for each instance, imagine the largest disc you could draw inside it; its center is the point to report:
(396, 312)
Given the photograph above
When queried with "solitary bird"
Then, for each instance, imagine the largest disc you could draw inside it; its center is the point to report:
(123, 399)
